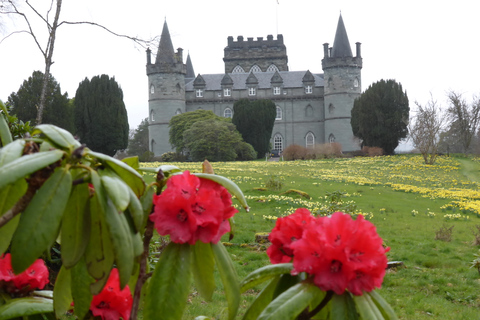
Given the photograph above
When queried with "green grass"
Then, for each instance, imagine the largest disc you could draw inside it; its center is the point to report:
(436, 282)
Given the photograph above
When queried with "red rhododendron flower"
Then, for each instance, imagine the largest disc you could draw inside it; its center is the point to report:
(35, 277)
(286, 231)
(192, 209)
(341, 253)
(112, 303)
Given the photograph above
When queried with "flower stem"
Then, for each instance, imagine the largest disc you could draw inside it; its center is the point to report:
(309, 315)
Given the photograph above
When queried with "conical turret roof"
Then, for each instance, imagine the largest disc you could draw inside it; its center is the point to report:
(190, 72)
(165, 53)
(341, 45)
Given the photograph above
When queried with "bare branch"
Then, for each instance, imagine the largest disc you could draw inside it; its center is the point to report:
(38, 14)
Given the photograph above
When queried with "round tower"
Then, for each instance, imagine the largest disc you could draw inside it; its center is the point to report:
(342, 75)
(166, 92)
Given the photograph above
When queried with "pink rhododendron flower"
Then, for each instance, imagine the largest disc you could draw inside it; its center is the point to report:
(112, 303)
(287, 230)
(35, 277)
(192, 209)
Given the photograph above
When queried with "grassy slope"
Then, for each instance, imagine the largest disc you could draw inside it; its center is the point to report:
(436, 282)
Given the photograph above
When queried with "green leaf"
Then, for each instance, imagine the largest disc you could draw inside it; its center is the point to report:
(62, 294)
(11, 151)
(169, 285)
(122, 245)
(231, 186)
(135, 210)
(8, 197)
(40, 222)
(147, 204)
(291, 303)
(26, 165)
(81, 294)
(27, 306)
(166, 169)
(365, 309)
(132, 162)
(5, 134)
(117, 191)
(76, 224)
(263, 274)
(203, 267)
(58, 136)
(286, 282)
(99, 252)
(262, 300)
(382, 305)
(123, 170)
(343, 307)
(229, 278)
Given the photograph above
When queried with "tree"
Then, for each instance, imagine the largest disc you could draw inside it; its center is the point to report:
(464, 118)
(138, 142)
(425, 130)
(32, 15)
(101, 119)
(255, 120)
(182, 122)
(58, 108)
(380, 115)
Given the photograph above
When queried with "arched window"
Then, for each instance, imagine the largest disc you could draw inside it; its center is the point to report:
(152, 115)
(330, 82)
(152, 89)
(331, 138)
(178, 112)
(309, 140)
(227, 113)
(309, 111)
(279, 113)
(278, 142)
(272, 68)
(355, 83)
(238, 69)
(331, 108)
(255, 68)
(152, 145)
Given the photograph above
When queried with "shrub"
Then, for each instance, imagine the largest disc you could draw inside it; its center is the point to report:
(274, 183)
(328, 150)
(444, 233)
(172, 157)
(372, 151)
(294, 152)
(245, 152)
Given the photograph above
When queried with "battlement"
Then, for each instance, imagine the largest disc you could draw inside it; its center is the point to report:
(251, 43)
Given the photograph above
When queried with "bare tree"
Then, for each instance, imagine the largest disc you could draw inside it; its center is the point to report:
(51, 20)
(464, 118)
(425, 129)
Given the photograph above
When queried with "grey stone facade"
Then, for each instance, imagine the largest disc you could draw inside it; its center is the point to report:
(311, 108)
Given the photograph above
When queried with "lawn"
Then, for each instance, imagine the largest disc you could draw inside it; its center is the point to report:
(410, 204)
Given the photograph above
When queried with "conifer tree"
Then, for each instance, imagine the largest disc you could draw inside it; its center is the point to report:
(255, 120)
(101, 119)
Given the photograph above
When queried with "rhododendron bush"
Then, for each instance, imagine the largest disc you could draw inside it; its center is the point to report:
(103, 215)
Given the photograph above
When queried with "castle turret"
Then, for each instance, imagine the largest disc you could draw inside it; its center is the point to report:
(342, 74)
(166, 83)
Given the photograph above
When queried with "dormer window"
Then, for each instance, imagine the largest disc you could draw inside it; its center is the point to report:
(252, 91)
(308, 89)
(276, 91)
(227, 92)
(199, 93)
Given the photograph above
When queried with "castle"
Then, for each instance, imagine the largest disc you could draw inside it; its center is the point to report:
(311, 108)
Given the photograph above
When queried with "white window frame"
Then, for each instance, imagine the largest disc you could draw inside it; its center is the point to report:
(308, 89)
(331, 138)
(227, 113)
(152, 89)
(238, 69)
(199, 93)
(252, 91)
(272, 68)
(279, 113)
(227, 92)
(277, 91)
(310, 140)
(152, 115)
(278, 142)
(255, 69)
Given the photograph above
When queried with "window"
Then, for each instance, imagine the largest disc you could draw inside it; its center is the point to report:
(227, 113)
(199, 93)
(238, 69)
(309, 140)
(272, 68)
(331, 108)
(152, 115)
(279, 113)
(308, 89)
(255, 68)
(152, 145)
(331, 138)
(276, 90)
(152, 89)
(278, 142)
(355, 82)
(252, 91)
(227, 92)
(309, 111)
(178, 112)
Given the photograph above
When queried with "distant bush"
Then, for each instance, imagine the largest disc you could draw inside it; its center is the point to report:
(328, 150)
(274, 183)
(245, 152)
(319, 151)
(172, 157)
(294, 152)
(372, 151)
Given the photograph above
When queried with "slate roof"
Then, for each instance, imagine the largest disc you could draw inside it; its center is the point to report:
(165, 54)
(341, 46)
(291, 79)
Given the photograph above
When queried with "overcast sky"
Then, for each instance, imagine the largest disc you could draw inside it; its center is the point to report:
(428, 46)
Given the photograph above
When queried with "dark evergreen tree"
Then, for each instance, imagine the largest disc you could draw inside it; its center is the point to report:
(138, 143)
(58, 110)
(255, 120)
(380, 115)
(101, 119)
